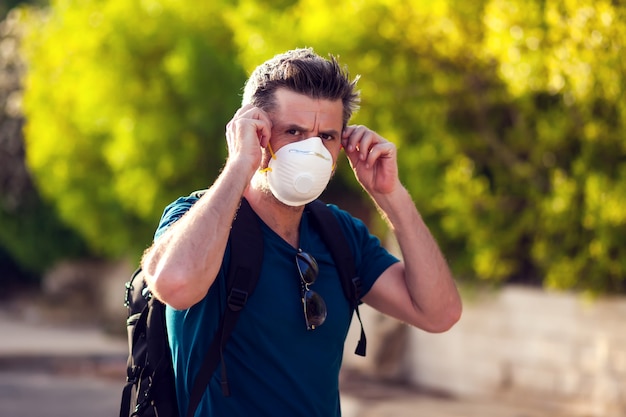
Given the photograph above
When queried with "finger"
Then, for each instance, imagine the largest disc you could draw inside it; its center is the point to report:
(250, 115)
(263, 124)
(264, 128)
(264, 132)
(380, 151)
(244, 109)
(353, 136)
(349, 137)
(364, 139)
(345, 136)
(367, 144)
(237, 116)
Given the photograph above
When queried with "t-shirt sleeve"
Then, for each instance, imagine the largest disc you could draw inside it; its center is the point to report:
(173, 212)
(371, 258)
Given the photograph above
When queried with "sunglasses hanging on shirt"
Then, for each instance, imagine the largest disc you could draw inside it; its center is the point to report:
(314, 305)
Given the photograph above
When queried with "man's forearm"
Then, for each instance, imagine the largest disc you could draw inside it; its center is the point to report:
(426, 272)
(182, 264)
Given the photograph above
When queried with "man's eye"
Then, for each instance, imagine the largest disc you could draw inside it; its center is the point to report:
(326, 137)
(293, 132)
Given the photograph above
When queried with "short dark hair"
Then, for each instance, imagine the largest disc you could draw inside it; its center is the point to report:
(302, 71)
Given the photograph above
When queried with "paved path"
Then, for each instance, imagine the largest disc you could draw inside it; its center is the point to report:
(39, 394)
(54, 370)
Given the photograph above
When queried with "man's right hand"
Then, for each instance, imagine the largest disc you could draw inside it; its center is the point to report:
(248, 131)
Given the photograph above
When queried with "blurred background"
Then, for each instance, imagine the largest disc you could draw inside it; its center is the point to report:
(509, 117)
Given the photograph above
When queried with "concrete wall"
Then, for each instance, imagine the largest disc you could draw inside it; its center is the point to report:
(527, 343)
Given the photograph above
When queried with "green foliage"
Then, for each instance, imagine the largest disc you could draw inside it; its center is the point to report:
(564, 66)
(34, 236)
(508, 116)
(126, 103)
(7, 5)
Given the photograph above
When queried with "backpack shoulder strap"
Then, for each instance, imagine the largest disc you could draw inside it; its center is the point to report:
(327, 225)
(246, 259)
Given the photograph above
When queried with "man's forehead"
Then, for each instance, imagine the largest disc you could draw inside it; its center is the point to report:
(294, 108)
(307, 119)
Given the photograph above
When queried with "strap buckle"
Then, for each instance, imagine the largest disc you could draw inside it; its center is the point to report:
(237, 299)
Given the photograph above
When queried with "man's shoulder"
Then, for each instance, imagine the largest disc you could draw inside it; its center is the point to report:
(346, 219)
(175, 210)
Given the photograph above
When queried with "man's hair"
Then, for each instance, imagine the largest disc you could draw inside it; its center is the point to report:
(302, 71)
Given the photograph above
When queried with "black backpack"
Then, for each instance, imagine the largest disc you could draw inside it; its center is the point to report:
(150, 389)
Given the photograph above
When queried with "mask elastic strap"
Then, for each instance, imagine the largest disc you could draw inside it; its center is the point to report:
(269, 146)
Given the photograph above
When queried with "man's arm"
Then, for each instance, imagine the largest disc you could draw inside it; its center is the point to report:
(182, 264)
(420, 290)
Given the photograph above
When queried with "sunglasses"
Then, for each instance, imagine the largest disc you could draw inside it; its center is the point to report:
(314, 305)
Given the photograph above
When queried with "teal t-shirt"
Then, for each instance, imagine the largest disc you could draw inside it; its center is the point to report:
(275, 366)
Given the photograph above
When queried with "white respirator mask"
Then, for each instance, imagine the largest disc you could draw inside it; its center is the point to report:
(299, 172)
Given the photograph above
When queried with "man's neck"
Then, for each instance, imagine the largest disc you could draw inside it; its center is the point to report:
(284, 220)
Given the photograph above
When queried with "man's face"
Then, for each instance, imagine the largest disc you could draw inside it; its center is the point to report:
(297, 117)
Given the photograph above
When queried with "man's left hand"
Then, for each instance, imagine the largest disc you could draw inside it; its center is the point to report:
(372, 158)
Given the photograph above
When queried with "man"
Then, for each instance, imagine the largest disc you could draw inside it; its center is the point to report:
(283, 145)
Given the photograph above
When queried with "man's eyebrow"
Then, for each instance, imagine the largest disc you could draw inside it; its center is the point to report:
(294, 126)
(330, 132)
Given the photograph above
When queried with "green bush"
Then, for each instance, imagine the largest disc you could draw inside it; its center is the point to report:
(507, 114)
(32, 237)
(508, 118)
(35, 238)
(126, 103)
